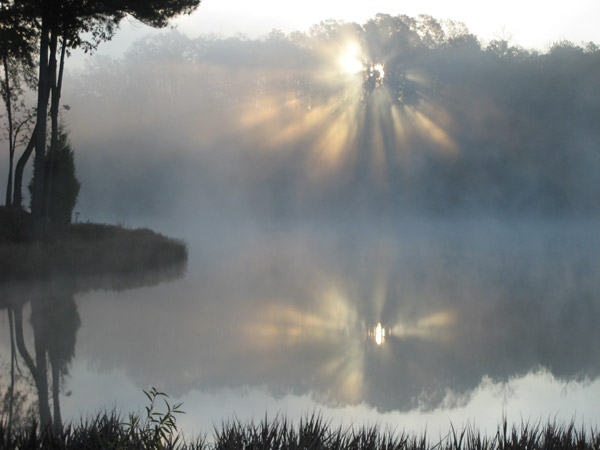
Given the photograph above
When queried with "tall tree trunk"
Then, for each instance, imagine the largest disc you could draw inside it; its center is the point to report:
(37, 198)
(37, 369)
(13, 358)
(21, 163)
(9, 183)
(18, 315)
(41, 381)
(11, 144)
(56, 393)
(54, 108)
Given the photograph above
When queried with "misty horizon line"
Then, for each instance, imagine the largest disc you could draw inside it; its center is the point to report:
(121, 48)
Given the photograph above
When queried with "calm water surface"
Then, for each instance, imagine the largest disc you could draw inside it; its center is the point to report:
(414, 326)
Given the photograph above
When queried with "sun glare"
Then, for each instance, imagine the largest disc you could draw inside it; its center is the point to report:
(377, 334)
(378, 71)
(347, 112)
(350, 61)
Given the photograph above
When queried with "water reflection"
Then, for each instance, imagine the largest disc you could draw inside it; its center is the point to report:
(47, 347)
(378, 334)
(413, 318)
(54, 323)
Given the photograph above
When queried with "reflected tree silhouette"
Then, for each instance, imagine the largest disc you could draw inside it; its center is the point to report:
(54, 321)
(57, 320)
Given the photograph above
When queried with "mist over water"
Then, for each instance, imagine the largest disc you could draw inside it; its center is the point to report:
(498, 320)
(291, 306)
(409, 246)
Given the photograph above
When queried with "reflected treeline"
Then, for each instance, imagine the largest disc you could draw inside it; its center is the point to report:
(47, 346)
(297, 312)
(285, 127)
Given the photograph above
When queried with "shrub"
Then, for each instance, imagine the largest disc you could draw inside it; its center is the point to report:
(61, 187)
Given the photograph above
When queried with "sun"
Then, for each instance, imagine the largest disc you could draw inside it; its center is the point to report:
(350, 60)
(377, 70)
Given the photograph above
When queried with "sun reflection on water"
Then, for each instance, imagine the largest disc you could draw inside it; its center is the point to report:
(378, 334)
(435, 326)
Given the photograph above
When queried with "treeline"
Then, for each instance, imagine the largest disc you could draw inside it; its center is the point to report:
(455, 124)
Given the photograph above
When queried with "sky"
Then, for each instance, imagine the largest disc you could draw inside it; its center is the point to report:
(529, 23)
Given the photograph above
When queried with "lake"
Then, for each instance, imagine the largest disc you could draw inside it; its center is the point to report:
(414, 325)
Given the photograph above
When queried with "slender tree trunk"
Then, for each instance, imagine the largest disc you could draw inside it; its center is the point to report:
(37, 197)
(11, 144)
(54, 108)
(37, 369)
(56, 393)
(9, 184)
(21, 163)
(18, 315)
(41, 382)
(13, 357)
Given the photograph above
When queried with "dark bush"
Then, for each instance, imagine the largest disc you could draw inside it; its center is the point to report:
(61, 187)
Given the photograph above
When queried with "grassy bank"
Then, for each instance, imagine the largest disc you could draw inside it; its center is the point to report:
(83, 249)
(108, 431)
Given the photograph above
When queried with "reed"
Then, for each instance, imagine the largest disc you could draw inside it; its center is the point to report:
(108, 431)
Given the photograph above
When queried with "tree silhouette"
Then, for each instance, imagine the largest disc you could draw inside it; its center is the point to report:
(61, 187)
(55, 322)
(18, 44)
(64, 23)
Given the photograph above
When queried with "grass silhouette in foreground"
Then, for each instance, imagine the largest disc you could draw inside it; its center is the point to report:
(107, 431)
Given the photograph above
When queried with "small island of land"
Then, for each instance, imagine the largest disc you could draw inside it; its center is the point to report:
(82, 249)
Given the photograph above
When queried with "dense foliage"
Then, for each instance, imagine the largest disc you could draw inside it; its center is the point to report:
(61, 186)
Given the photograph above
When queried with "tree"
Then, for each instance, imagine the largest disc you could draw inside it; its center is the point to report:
(18, 44)
(19, 118)
(64, 23)
(61, 187)
(55, 322)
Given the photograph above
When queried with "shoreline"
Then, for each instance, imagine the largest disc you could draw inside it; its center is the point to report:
(84, 249)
